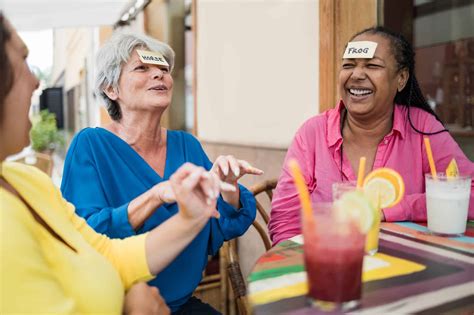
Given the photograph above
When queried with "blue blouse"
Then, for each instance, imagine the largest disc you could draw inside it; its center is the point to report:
(102, 174)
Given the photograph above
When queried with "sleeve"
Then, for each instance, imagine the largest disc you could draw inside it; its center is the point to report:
(128, 256)
(285, 215)
(445, 148)
(90, 199)
(28, 284)
(232, 222)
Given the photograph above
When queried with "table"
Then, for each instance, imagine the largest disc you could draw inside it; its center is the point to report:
(414, 272)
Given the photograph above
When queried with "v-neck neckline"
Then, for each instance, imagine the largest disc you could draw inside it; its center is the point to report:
(137, 155)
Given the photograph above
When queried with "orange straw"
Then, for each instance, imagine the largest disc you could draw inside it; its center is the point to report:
(360, 175)
(429, 153)
(307, 211)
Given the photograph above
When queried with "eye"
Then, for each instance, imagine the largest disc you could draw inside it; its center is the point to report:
(165, 70)
(347, 65)
(141, 68)
(373, 66)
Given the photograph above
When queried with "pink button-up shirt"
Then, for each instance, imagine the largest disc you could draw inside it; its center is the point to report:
(317, 147)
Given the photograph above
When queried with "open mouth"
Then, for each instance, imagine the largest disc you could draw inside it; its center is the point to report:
(360, 92)
(159, 88)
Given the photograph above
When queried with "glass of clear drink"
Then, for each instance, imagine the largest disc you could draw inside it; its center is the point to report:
(339, 188)
(333, 255)
(372, 241)
(447, 203)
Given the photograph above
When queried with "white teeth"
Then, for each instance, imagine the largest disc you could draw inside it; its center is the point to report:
(360, 92)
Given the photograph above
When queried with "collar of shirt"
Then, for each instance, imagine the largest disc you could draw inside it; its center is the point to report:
(334, 136)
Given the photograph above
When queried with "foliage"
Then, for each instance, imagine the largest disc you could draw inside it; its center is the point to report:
(44, 134)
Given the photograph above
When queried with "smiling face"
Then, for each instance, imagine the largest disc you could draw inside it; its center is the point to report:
(15, 124)
(142, 86)
(368, 86)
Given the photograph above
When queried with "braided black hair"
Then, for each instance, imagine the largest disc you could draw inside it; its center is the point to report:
(405, 58)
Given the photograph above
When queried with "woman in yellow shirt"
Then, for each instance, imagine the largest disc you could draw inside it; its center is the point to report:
(51, 260)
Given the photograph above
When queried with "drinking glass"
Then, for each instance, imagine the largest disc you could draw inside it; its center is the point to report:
(447, 203)
(333, 255)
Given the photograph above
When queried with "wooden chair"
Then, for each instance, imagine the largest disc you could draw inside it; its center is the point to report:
(236, 278)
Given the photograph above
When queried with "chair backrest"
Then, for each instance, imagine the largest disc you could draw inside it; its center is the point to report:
(234, 272)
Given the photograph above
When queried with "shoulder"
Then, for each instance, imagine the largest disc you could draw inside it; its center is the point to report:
(83, 136)
(25, 175)
(421, 119)
(314, 126)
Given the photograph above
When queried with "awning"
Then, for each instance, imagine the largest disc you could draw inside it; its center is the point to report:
(32, 15)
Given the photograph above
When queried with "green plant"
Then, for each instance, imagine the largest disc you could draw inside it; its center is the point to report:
(44, 134)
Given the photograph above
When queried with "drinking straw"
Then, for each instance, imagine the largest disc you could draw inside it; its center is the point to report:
(307, 211)
(429, 153)
(360, 175)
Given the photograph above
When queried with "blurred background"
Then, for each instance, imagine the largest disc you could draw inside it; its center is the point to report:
(248, 73)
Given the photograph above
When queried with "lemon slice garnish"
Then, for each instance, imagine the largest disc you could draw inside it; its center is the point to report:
(452, 170)
(355, 205)
(384, 187)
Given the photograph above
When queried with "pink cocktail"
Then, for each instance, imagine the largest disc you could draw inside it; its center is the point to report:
(333, 253)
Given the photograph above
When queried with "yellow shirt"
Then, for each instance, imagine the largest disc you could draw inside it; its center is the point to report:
(40, 274)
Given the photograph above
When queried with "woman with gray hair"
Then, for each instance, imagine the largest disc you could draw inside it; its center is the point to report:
(117, 176)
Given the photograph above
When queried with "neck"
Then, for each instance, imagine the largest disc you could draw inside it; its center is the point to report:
(141, 131)
(367, 131)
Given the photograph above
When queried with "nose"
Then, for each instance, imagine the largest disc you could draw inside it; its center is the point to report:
(358, 73)
(36, 82)
(157, 73)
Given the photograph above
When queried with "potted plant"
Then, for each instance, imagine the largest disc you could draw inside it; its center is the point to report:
(44, 134)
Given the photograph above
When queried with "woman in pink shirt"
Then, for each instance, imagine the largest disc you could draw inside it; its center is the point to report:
(383, 116)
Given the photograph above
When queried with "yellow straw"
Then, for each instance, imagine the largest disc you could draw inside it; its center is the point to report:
(429, 153)
(307, 211)
(360, 175)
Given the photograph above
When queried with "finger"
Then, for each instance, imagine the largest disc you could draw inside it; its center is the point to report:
(223, 165)
(234, 165)
(215, 184)
(192, 180)
(182, 172)
(206, 186)
(249, 169)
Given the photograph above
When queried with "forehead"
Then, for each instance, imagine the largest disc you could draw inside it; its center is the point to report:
(383, 44)
(15, 41)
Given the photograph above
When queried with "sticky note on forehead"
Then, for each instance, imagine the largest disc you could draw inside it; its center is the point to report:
(363, 49)
(152, 57)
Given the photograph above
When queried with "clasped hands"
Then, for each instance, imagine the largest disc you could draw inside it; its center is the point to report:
(195, 189)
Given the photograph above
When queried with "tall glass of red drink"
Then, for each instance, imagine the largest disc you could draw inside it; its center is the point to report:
(333, 253)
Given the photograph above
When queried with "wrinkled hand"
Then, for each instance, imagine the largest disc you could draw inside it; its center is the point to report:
(164, 192)
(142, 299)
(229, 169)
(196, 191)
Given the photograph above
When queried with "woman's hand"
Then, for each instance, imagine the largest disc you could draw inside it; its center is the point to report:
(164, 192)
(196, 191)
(142, 299)
(229, 169)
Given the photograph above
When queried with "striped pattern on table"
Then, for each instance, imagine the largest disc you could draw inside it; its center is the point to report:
(442, 277)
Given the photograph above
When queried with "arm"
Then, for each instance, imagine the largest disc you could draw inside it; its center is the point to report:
(413, 206)
(91, 201)
(285, 215)
(139, 257)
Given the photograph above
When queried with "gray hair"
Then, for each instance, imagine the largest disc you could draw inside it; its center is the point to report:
(113, 55)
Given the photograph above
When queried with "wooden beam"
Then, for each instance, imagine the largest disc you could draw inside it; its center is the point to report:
(339, 20)
(327, 79)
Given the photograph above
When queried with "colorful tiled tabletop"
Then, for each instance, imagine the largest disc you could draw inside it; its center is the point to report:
(414, 272)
